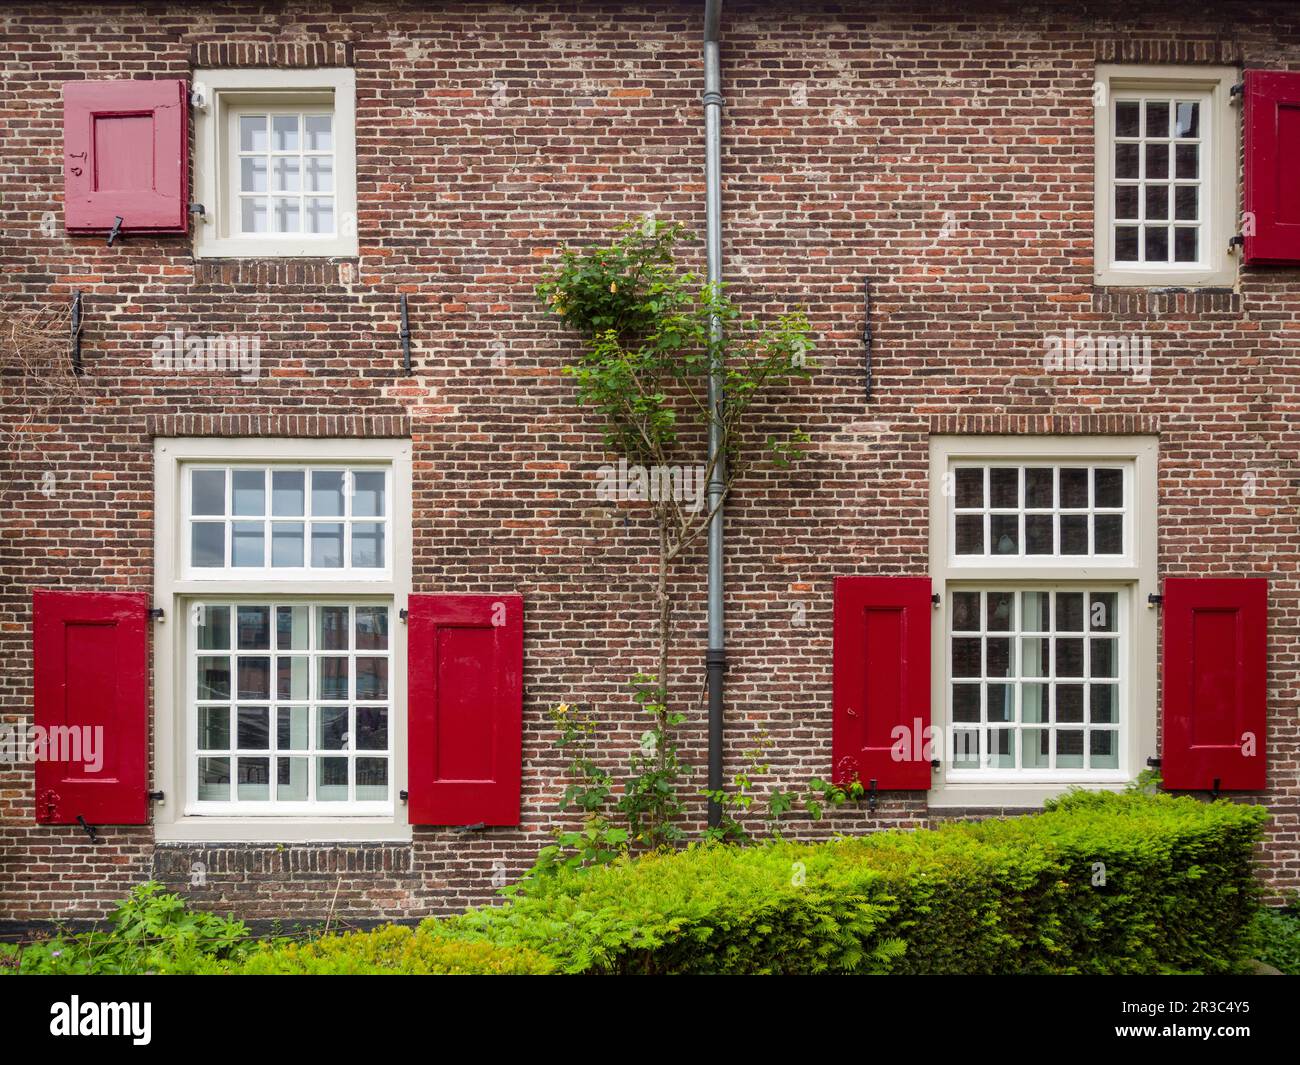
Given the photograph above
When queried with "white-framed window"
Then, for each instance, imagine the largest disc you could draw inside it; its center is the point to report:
(1166, 175)
(283, 569)
(1043, 553)
(323, 521)
(275, 163)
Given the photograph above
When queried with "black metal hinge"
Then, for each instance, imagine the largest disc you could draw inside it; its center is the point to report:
(460, 830)
(1154, 763)
(89, 829)
(1237, 90)
(403, 795)
(154, 796)
(1237, 241)
(403, 614)
(1155, 599)
(116, 231)
(156, 613)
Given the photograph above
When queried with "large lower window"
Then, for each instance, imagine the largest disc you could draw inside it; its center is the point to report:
(1035, 679)
(289, 706)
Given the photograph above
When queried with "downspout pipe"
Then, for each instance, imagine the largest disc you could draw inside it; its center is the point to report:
(716, 656)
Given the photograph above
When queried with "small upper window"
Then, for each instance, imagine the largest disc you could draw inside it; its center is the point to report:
(286, 522)
(275, 163)
(1166, 175)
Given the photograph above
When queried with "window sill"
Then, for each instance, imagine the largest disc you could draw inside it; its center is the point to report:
(1000, 794)
(282, 830)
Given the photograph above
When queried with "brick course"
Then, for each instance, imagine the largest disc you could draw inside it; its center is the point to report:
(944, 153)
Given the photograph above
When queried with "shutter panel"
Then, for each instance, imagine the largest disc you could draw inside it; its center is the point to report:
(126, 154)
(882, 681)
(90, 694)
(1214, 683)
(1272, 163)
(466, 664)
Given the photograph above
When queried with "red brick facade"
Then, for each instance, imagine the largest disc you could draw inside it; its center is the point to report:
(944, 152)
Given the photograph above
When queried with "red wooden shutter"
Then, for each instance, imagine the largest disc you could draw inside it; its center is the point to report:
(882, 682)
(91, 665)
(126, 154)
(1272, 158)
(465, 669)
(1214, 683)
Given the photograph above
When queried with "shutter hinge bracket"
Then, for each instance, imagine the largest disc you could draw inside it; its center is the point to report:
(403, 614)
(1214, 791)
(1237, 241)
(873, 796)
(155, 796)
(200, 210)
(1237, 90)
(89, 829)
(936, 598)
(460, 830)
(155, 613)
(935, 763)
(1155, 599)
(1154, 763)
(116, 231)
(403, 795)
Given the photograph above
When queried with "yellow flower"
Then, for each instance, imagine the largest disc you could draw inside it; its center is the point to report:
(613, 286)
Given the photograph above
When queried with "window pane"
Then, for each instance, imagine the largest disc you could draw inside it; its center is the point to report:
(966, 611)
(1004, 532)
(327, 493)
(332, 628)
(1104, 749)
(1104, 704)
(1102, 661)
(249, 492)
(368, 545)
(1069, 703)
(288, 214)
(1002, 703)
(246, 547)
(213, 677)
(285, 133)
(327, 545)
(1126, 201)
(1187, 161)
(1101, 611)
(1001, 752)
(1069, 657)
(966, 657)
(332, 779)
(291, 728)
(1157, 202)
(1157, 118)
(214, 728)
(1036, 611)
(291, 677)
(1186, 203)
(372, 678)
(253, 217)
(287, 493)
(332, 681)
(1069, 611)
(1157, 161)
(372, 628)
(1069, 749)
(1156, 248)
(287, 175)
(1186, 245)
(1074, 487)
(368, 494)
(1074, 534)
(1001, 611)
(372, 779)
(1039, 482)
(1035, 752)
(254, 731)
(1188, 119)
(1108, 534)
(1033, 703)
(286, 544)
(966, 702)
(252, 174)
(254, 677)
(320, 215)
(1004, 487)
(291, 628)
(252, 133)
(1108, 486)
(291, 779)
(1126, 244)
(332, 731)
(970, 534)
(214, 779)
(1034, 660)
(208, 492)
(1127, 118)
(253, 628)
(319, 129)
(1038, 534)
(970, 487)
(372, 728)
(320, 175)
(214, 633)
(966, 749)
(1126, 160)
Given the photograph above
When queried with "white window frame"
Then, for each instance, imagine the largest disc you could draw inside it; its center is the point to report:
(224, 92)
(1135, 574)
(1220, 139)
(175, 592)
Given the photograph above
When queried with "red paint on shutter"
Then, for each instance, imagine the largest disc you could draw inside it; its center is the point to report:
(1215, 663)
(91, 665)
(126, 154)
(882, 682)
(465, 671)
(1272, 162)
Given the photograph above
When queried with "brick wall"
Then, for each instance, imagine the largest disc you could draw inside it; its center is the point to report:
(945, 154)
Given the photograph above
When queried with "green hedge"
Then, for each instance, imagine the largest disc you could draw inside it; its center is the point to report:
(1099, 883)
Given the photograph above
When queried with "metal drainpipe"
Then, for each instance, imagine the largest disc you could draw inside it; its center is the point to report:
(716, 656)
